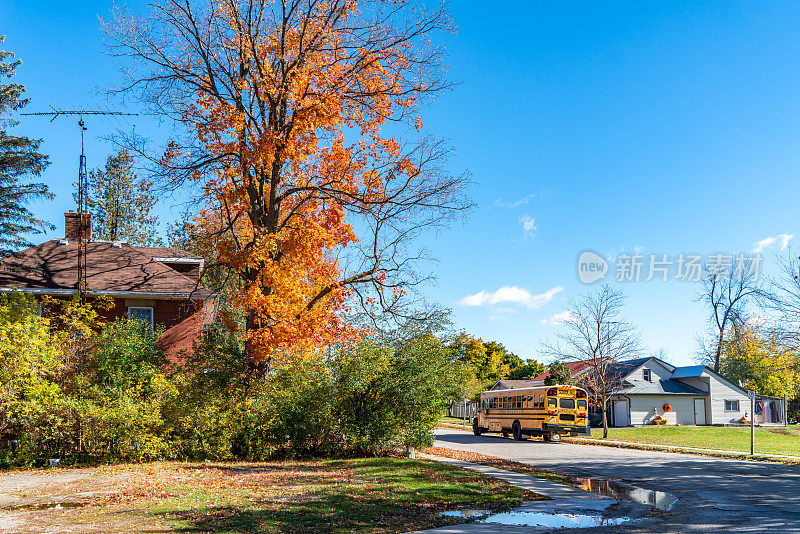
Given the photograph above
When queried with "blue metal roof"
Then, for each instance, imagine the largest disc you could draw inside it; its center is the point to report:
(688, 371)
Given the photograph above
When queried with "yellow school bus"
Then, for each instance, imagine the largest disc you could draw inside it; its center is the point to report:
(547, 411)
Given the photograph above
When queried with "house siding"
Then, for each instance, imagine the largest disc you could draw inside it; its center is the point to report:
(657, 372)
(645, 408)
(719, 393)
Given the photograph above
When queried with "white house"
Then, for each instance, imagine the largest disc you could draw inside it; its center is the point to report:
(694, 395)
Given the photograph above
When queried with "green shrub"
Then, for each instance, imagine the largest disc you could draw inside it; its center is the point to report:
(126, 357)
(391, 394)
(122, 402)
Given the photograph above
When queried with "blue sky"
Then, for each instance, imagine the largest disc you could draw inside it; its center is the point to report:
(663, 128)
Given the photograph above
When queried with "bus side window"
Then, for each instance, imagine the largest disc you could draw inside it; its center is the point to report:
(518, 402)
(529, 401)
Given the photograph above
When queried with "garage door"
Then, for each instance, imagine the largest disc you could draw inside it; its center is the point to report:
(620, 409)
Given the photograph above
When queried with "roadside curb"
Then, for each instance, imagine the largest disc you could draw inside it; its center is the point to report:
(733, 455)
(454, 426)
(541, 486)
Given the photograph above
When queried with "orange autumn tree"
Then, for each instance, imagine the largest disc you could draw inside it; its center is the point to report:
(292, 115)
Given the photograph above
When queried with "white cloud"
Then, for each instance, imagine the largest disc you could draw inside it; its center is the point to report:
(514, 203)
(511, 295)
(528, 225)
(560, 318)
(769, 241)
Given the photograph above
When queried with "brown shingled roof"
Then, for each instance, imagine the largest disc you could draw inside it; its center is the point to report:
(53, 265)
(513, 384)
(576, 367)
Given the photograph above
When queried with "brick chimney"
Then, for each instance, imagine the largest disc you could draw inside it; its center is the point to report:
(72, 225)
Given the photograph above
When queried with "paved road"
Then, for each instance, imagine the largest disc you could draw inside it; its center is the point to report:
(714, 494)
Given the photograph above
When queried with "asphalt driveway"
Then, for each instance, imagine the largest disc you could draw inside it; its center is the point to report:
(714, 494)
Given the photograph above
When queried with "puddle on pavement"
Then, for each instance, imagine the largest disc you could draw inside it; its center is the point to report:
(539, 519)
(627, 492)
(553, 520)
(466, 514)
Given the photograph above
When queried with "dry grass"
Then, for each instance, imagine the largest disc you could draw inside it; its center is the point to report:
(378, 495)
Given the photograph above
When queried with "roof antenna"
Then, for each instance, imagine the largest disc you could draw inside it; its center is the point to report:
(81, 203)
(82, 196)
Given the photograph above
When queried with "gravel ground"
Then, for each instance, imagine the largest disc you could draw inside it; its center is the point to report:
(55, 501)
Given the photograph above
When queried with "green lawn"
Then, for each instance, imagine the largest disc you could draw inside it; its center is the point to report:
(380, 495)
(779, 440)
(454, 420)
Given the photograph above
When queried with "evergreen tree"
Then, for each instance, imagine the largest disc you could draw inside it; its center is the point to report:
(121, 203)
(19, 159)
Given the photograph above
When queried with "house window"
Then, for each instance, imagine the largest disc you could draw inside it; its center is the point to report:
(731, 405)
(646, 374)
(143, 315)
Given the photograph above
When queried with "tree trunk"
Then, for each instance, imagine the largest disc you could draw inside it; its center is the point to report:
(718, 352)
(605, 418)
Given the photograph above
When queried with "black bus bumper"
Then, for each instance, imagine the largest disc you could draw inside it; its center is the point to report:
(572, 430)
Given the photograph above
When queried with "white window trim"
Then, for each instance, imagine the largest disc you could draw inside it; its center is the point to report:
(738, 404)
(152, 313)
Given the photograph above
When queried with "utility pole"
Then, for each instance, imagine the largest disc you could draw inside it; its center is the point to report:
(82, 196)
(752, 395)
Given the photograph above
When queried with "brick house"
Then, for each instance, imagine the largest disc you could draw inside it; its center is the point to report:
(156, 285)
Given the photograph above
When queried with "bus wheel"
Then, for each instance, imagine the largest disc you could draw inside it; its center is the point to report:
(517, 432)
(547, 437)
(475, 428)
